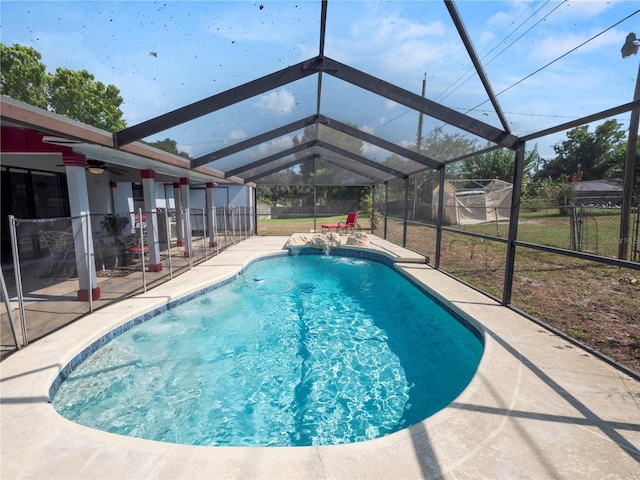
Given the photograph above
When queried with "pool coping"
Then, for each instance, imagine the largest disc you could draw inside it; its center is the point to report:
(538, 407)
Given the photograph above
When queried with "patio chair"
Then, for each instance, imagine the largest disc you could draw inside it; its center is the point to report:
(60, 245)
(350, 222)
(133, 246)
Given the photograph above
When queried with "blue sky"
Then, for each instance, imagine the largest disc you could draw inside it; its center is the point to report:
(163, 55)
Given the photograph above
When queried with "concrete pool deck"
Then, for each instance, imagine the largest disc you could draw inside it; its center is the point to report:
(538, 407)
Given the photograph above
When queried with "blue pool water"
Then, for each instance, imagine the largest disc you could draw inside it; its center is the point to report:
(299, 350)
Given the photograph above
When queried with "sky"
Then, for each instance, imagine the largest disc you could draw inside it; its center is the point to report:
(549, 62)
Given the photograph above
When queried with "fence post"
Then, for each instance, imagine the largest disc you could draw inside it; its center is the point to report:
(18, 275)
(243, 222)
(406, 212)
(315, 213)
(214, 219)
(189, 240)
(204, 233)
(168, 227)
(142, 262)
(386, 207)
(635, 250)
(579, 225)
(7, 302)
(90, 254)
(572, 229)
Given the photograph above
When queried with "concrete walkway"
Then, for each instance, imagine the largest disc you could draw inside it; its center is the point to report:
(537, 408)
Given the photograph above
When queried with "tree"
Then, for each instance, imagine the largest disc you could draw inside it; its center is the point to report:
(24, 76)
(497, 164)
(320, 172)
(618, 159)
(589, 152)
(77, 95)
(311, 169)
(443, 146)
(170, 146)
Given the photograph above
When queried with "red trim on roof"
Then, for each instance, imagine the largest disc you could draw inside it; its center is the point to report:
(23, 140)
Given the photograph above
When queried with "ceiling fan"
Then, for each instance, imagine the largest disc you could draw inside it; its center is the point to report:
(97, 167)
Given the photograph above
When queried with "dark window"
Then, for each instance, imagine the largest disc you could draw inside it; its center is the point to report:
(30, 194)
(138, 193)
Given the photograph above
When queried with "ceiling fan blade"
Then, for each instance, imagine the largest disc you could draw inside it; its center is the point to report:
(115, 171)
(98, 164)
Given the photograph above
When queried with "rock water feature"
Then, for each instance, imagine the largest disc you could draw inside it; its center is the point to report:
(326, 241)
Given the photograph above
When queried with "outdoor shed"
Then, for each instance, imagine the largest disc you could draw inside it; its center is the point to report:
(468, 202)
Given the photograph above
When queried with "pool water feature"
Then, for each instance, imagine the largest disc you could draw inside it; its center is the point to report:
(305, 350)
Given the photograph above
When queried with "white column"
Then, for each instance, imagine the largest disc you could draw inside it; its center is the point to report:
(75, 164)
(149, 193)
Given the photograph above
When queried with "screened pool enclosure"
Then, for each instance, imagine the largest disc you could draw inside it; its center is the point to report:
(396, 97)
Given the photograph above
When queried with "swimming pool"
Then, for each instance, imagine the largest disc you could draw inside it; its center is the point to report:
(337, 350)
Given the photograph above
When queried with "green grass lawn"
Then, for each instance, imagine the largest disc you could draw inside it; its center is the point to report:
(289, 226)
(599, 230)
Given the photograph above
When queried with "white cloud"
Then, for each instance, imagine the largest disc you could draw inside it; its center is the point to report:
(395, 45)
(237, 135)
(554, 46)
(373, 151)
(584, 9)
(398, 29)
(274, 146)
(186, 148)
(279, 102)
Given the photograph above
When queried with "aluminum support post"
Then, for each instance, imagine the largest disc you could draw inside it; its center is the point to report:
(518, 171)
(439, 216)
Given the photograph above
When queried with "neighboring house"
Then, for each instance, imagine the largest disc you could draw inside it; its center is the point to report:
(263, 210)
(599, 192)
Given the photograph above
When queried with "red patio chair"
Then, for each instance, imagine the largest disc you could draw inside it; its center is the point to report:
(350, 222)
(133, 246)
